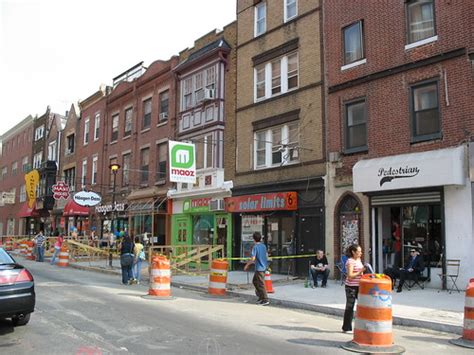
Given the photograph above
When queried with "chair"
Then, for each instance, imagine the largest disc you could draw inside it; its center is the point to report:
(418, 279)
(341, 266)
(452, 272)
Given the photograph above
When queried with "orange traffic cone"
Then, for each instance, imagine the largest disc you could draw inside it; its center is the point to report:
(268, 282)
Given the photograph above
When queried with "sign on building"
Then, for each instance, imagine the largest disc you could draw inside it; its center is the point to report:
(60, 190)
(182, 162)
(31, 181)
(7, 198)
(87, 198)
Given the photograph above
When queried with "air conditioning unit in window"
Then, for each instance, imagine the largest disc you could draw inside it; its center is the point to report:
(216, 205)
(163, 116)
(209, 94)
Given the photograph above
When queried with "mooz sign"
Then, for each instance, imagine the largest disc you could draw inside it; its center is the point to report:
(182, 162)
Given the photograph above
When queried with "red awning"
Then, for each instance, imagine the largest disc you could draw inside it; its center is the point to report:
(26, 211)
(73, 209)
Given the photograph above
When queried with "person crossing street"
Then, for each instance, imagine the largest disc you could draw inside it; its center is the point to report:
(259, 258)
(39, 241)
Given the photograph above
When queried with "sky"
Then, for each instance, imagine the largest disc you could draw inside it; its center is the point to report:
(56, 52)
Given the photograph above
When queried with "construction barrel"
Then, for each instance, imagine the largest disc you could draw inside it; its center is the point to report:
(218, 277)
(467, 339)
(160, 277)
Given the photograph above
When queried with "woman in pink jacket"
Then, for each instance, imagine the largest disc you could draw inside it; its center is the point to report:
(57, 247)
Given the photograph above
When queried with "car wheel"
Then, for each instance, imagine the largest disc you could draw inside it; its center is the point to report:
(24, 321)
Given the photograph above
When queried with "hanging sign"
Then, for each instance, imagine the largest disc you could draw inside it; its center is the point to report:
(182, 160)
(87, 198)
(31, 181)
(60, 190)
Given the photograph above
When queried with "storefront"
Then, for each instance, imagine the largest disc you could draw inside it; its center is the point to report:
(112, 217)
(418, 200)
(290, 221)
(149, 217)
(76, 217)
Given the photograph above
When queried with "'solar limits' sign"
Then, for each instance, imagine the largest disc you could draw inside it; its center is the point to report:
(182, 158)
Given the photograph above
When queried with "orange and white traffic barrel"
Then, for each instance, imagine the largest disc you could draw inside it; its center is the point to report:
(268, 282)
(9, 244)
(467, 339)
(160, 277)
(218, 277)
(63, 256)
(23, 247)
(373, 321)
(29, 250)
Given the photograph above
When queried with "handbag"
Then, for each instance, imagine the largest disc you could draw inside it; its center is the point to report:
(142, 256)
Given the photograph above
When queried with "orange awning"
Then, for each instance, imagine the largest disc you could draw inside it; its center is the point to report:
(25, 211)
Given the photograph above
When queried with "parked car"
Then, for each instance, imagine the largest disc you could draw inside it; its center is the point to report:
(17, 290)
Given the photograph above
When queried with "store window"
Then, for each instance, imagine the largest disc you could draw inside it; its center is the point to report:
(203, 229)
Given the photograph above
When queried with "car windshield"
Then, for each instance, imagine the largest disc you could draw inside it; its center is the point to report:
(5, 258)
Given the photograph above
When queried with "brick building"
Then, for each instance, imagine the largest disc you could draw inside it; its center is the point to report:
(16, 154)
(280, 147)
(399, 121)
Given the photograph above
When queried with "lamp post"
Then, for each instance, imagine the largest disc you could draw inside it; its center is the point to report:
(114, 169)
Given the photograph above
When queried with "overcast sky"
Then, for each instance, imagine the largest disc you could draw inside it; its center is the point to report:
(55, 52)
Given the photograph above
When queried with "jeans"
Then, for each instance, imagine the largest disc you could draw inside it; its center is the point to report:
(137, 268)
(40, 254)
(55, 254)
(324, 274)
(126, 262)
(259, 283)
(351, 296)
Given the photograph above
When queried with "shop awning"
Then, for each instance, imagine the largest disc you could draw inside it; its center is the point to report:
(415, 170)
(140, 207)
(25, 211)
(73, 209)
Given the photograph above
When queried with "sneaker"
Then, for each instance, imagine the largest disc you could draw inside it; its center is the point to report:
(265, 303)
(259, 302)
(315, 285)
(323, 286)
(399, 290)
(348, 332)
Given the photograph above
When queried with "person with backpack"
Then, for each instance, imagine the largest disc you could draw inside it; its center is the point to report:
(139, 257)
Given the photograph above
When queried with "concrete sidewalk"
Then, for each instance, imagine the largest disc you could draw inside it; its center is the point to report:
(426, 308)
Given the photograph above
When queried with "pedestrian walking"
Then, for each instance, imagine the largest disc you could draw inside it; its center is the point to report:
(259, 258)
(57, 247)
(126, 260)
(39, 241)
(138, 257)
(355, 269)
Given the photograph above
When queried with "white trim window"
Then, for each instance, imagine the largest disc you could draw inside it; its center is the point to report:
(37, 160)
(260, 18)
(25, 164)
(22, 193)
(97, 126)
(276, 146)
(14, 168)
(115, 127)
(4, 172)
(52, 151)
(420, 20)
(86, 131)
(290, 9)
(188, 93)
(128, 122)
(353, 43)
(94, 170)
(276, 77)
(84, 173)
(39, 133)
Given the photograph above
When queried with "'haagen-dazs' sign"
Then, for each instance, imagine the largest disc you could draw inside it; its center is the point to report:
(388, 174)
(87, 198)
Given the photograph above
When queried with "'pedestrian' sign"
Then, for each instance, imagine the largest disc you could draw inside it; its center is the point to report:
(182, 162)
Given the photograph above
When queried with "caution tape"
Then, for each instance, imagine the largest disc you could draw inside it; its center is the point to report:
(278, 257)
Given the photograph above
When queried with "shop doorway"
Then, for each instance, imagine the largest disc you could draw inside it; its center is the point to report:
(311, 238)
(279, 237)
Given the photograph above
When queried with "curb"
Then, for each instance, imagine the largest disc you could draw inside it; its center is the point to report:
(95, 269)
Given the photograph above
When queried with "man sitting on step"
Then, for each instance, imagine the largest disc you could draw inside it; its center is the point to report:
(319, 266)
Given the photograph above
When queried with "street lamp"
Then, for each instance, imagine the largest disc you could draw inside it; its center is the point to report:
(114, 167)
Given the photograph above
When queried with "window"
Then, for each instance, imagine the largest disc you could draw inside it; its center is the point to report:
(188, 93)
(209, 148)
(211, 78)
(425, 111)
(291, 9)
(97, 126)
(421, 23)
(276, 146)
(353, 43)
(52, 151)
(86, 131)
(4, 172)
(22, 193)
(25, 164)
(39, 133)
(37, 160)
(260, 18)
(146, 114)
(94, 170)
(164, 106)
(128, 122)
(115, 127)
(276, 77)
(356, 126)
(112, 175)
(162, 160)
(84, 173)
(144, 165)
(198, 90)
(126, 170)
(70, 144)
(14, 168)
(70, 178)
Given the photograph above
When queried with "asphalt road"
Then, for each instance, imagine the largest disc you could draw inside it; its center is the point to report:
(81, 312)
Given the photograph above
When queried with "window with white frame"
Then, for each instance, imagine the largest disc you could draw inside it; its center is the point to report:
(84, 173)
(39, 133)
(22, 193)
(70, 178)
(14, 168)
(204, 152)
(70, 144)
(164, 106)
(421, 20)
(96, 126)
(144, 165)
(112, 175)
(198, 87)
(260, 18)
(115, 127)
(94, 170)
(162, 162)
(25, 164)
(353, 43)
(52, 151)
(276, 146)
(86, 131)
(128, 122)
(276, 77)
(188, 93)
(211, 78)
(4, 172)
(126, 169)
(291, 9)
(146, 113)
(37, 160)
